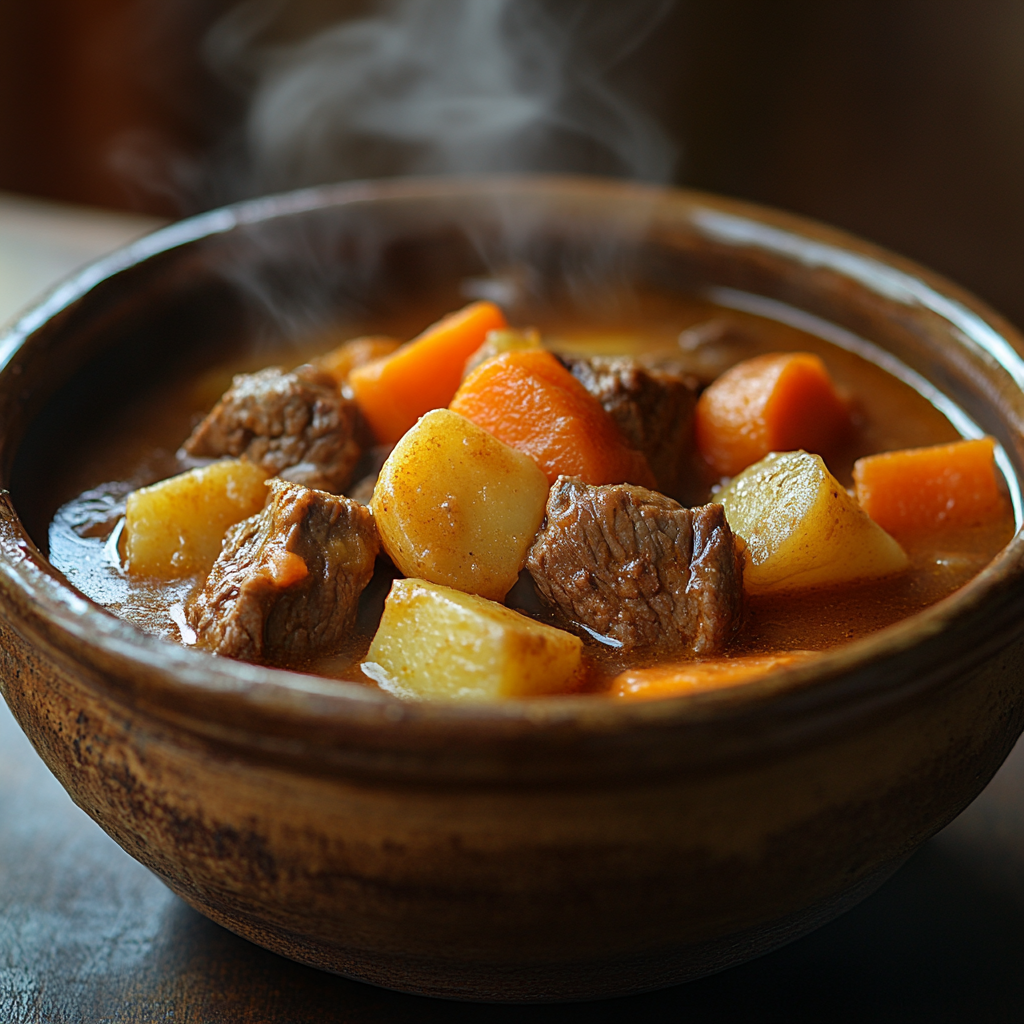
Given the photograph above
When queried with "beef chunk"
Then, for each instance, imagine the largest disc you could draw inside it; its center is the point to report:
(636, 566)
(295, 425)
(709, 348)
(653, 408)
(286, 583)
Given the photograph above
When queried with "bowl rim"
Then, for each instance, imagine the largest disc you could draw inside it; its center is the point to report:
(164, 675)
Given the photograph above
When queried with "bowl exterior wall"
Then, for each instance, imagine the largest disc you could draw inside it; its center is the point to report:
(516, 892)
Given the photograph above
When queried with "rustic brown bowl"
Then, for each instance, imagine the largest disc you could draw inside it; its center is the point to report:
(547, 849)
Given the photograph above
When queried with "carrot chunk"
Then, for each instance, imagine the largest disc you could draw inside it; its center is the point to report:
(530, 401)
(395, 391)
(286, 567)
(341, 361)
(694, 676)
(779, 402)
(919, 490)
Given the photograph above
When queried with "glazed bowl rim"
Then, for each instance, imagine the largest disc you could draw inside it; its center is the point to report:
(86, 630)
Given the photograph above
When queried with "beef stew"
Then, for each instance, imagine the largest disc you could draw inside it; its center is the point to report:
(661, 589)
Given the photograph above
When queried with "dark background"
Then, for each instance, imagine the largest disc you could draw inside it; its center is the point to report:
(900, 120)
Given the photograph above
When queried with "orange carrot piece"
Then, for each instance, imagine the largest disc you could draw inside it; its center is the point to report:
(286, 568)
(530, 401)
(694, 676)
(395, 391)
(341, 361)
(945, 486)
(778, 402)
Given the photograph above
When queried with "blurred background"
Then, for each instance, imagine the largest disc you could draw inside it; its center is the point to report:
(900, 120)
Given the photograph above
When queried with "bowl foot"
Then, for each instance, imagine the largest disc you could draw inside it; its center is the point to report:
(525, 982)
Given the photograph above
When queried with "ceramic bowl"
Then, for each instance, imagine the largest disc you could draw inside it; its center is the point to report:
(549, 849)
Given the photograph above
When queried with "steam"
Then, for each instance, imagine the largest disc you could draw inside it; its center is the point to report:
(449, 86)
(427, 87)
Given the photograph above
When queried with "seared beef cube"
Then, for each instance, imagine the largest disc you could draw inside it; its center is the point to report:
(709, 348)
(296, 425)
(653, 408)
(286, 583)
(635, 566)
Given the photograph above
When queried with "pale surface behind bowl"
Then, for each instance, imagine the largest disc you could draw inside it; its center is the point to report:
(40, 243)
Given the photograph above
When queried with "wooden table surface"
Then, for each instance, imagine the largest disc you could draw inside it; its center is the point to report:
(87, 934)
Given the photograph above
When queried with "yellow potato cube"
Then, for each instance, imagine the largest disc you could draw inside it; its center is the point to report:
(456, 506)
(435, 642)
(802, 528)
(174, 528)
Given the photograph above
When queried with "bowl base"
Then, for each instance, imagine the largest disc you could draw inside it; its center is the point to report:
(526, 982)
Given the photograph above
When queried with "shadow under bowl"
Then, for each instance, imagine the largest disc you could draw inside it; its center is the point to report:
(530, 850)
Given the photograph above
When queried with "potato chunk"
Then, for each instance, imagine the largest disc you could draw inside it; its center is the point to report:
(802, 528)
(436, 642)
(456, 506)
(175, 527)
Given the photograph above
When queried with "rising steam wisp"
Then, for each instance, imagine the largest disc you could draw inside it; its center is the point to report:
(449, 86)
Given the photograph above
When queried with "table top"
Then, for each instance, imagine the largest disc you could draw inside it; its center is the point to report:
(88, 934)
